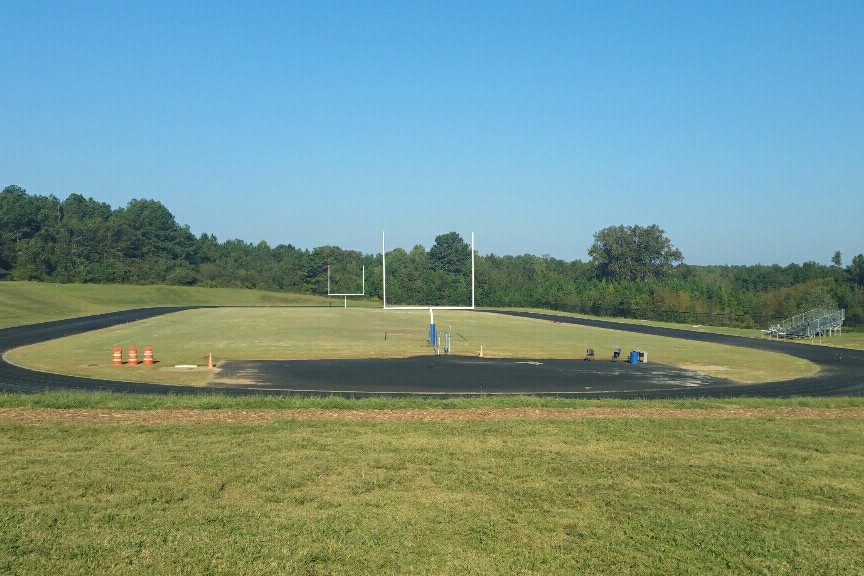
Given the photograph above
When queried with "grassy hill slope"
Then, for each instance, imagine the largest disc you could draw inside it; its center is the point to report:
(32, 302)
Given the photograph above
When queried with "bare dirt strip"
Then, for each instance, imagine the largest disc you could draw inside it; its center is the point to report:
(57, 416)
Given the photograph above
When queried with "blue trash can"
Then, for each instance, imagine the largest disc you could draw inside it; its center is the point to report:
(634, 357)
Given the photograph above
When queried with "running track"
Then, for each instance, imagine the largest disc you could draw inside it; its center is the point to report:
(841, 371)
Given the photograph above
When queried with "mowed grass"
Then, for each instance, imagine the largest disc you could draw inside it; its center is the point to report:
(626, 494)
(31, 302)
(595, 496)
(258, 333)
(214, 400)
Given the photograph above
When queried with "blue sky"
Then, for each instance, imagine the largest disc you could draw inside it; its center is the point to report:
(738, 127)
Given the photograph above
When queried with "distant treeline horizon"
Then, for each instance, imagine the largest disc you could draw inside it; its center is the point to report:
(634, 272)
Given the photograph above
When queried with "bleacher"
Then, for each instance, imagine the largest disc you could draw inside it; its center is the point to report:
(816, 322)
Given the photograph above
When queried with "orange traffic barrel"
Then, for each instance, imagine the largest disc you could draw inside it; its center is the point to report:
(133, 356)
(148, 356)
(118, 357)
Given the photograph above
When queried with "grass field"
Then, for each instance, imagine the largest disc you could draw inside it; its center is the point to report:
(625, 493)
(32, 302)
(186, 338)
(100, 483)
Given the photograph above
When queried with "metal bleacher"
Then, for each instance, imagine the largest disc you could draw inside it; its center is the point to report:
(816, 322)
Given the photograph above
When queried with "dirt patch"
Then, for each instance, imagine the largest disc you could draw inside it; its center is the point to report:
(703, 368)
(52, 416)
(186, 368)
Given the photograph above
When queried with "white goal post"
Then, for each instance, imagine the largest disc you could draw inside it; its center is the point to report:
(344, 294)
(429, 307)
(421, 307)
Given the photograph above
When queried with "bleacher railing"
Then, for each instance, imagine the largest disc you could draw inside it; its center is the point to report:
(816, 322)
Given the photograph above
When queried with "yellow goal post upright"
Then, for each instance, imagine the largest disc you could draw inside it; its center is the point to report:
(433, 336)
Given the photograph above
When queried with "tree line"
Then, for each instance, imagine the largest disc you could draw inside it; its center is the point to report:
(632, 272)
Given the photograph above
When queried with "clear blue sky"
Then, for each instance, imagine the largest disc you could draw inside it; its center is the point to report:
(738, 127)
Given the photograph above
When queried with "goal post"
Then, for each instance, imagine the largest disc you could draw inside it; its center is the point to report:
(346, 294)
(423, 307)
(433, 335)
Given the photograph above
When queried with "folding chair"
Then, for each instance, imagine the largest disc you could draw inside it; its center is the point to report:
(616, 355)
(589, 355)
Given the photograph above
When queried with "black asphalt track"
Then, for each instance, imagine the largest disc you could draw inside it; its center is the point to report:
(841, 371)
(15, 378)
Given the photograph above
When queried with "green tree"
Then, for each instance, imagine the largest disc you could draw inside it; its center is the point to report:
(148, 234)
(17, 222)
(29, 227)
(398, 261)
(83, 248)
(447, 280)
(856, 270)
(633, 253)
(451, 254)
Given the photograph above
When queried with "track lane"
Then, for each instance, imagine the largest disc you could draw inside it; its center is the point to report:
(841, 370)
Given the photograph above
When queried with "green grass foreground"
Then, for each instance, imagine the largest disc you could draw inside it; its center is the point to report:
(206, 400)
(643, 495)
